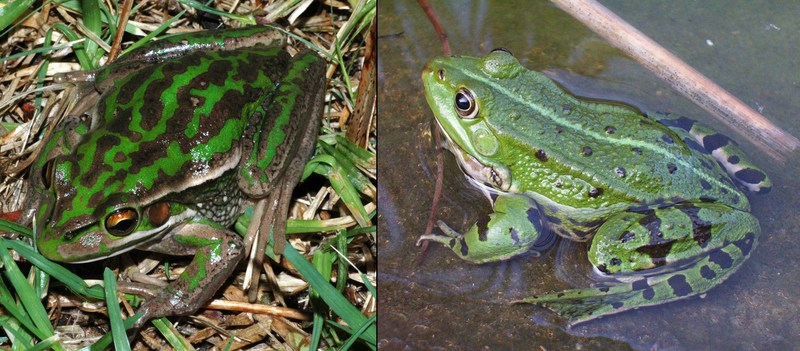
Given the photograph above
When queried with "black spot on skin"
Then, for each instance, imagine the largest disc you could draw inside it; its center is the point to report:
(493, 196)
(679, 285)
(587, 151)
(610, 130)
(656, 248)
(723, 190)
(676, 199)
(535, 218)
(558, 183)
(701, 230)
(602, 268)
(514, 235)
(733, 159)
(541, 155)
(464, 248)
(751, 176)
(620, 172)
(627, 236)
(567, 108)
(671, 168)
(452, 243)
(707, 272)
(560, 295)
(714, 141)
(603, 289)
(615, 261)
(617, 304)
(559, 129)
(746, 244)
(640, 284)
(721, 258)
(682, 122)
(581, 233)
(648, 294)
(692, 144)
(667, 139)
(483, 227)
(595, 192)
(705, 184)
(637, 150)
(553, 219)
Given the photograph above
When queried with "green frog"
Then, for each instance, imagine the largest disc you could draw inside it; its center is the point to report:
(166, 148)
(656, 194)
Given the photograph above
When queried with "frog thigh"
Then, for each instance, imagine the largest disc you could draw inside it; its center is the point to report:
(699, 245)
(724, 150)
(283, 128)
(515, 227)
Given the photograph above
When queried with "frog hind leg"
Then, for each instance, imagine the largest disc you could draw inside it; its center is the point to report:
(724, 150)
(514, 228)
(690, 248)
(277, 143)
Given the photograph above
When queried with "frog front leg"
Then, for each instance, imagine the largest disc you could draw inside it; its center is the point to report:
(515, 227)
(666, 254)
(216, 251)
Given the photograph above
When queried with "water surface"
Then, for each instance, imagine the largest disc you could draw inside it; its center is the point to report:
(748, 47)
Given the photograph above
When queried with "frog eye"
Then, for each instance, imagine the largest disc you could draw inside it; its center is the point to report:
(465, 104)
(503, 50)
(122, 222)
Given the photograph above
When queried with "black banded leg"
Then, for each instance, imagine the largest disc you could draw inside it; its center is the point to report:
(724, 150)
(699, 245)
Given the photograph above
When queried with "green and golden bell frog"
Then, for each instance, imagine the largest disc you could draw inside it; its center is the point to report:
(179, 135)
(656, 194)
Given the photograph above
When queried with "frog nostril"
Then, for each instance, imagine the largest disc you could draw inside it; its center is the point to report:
(441, 74)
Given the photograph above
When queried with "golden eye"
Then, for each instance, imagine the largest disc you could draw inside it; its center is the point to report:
(158, 213)
(122, 222)
(465, 104)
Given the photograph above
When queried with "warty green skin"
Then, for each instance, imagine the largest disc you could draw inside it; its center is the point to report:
(197, 133)
(655, 194)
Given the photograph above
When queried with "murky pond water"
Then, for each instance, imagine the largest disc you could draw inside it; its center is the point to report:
(750, 48)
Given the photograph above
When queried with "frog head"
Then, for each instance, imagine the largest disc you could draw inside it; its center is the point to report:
(460, 93)
(75, 225)
(100, 192)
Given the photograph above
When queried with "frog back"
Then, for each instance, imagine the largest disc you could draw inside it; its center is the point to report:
(585, 154)
(162, 129)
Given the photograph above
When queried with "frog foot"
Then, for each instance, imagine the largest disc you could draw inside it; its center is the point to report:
(516, 227)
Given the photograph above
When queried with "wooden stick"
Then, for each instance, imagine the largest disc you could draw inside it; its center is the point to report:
(683, 78)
